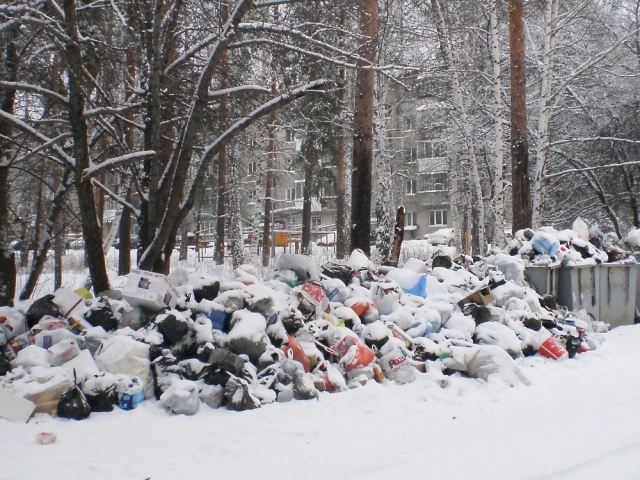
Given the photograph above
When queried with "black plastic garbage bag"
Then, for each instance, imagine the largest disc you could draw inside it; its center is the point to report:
(227, 360)
(339, 271)
(206, 292)
(164, 369)
(100, 392)
(101, 315)
(73, 404)
(41, 307)
(5, 366)
(238, 396)
(173, 329)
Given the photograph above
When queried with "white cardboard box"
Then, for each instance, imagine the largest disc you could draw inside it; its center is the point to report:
(149, 290)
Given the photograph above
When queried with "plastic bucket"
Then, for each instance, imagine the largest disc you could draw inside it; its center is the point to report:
(550, 348)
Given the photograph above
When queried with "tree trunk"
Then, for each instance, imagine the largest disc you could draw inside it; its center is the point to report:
(498, 158)
(363, 130)
(544, 119)
(7, 256)
(235, 233)
(519, 146)
(341, 228)
(384, 202)
(222, 156)
(309, 172)
(268, 192)
(398, 236)
(42, 251)
(90, 227)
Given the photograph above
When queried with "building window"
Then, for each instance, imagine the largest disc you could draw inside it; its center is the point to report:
(316, 222)
(408, 124)
(289, 135)
(433, 182)
(252, 168)
(290, 164)
(291, 194)
(251, 196)
(437, 217)
(411, 219)
(431, 149)
(299, 188)
(409, 155)
(412, 186)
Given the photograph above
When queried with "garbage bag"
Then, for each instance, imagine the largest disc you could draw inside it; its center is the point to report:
(303, 387)
(41, 307)
(164, 369)
(206, 292)
(238, 396)
(336, 270)
(5, 366)
(227, 360)
(172, 327)
(100, 392)
(101, 315)
(73, 404)
(182, 398)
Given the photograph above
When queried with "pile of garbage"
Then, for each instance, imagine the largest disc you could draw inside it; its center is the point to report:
(579, 245)
(240, 342)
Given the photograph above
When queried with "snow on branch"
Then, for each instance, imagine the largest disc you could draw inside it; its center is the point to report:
(382, 69)
(116, 197)
(186, 56)
(595, 139)
(240, 89)
(94, 112)
(42, 147)
(588, 169)
(107, 164)
(26, 87)
(70, 161)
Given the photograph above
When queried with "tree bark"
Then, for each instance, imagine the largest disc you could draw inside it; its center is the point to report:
(521, 193)
(222, 156)
(90, 228)
(363, 130)
(7, 256)
(341, 229)
(398, 236)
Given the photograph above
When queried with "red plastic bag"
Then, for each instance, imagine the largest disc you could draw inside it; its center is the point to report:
(353, 352)
(297, 352)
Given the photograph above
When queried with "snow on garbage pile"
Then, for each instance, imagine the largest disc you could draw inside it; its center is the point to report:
(577, 246)
(241, 342)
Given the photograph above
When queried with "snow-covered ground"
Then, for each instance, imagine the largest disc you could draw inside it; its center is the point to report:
(579, 419)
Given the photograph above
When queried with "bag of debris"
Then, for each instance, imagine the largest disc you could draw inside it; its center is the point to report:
(206, 292)
(100, 314)
(227, 360)
(296, 352)
(304, 267)
(344, 273)
(165, 370)
(238, 397)
(124, 355)
(181, 398)
(396, 365)
(248, 334)
(73, 404)
(32, 356)
(173, 326)
(100, 391)
(353, 353)
(41, 307)
(63, 351)
(212, 395)
(303, 387)
(12, 322)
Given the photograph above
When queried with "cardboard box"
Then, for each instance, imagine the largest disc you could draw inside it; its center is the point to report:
(149, 290)
(128, 401)
(480, 297)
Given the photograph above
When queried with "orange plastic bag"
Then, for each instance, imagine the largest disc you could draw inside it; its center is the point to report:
(297, 352)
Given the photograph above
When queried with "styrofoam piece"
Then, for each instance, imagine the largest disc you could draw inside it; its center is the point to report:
(15, 408)
(83, 364)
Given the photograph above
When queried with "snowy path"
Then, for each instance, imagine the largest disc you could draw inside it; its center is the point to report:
(579, 419)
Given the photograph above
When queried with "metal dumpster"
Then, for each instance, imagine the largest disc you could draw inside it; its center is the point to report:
(543, 278)
(578, 288)
(617, 296)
